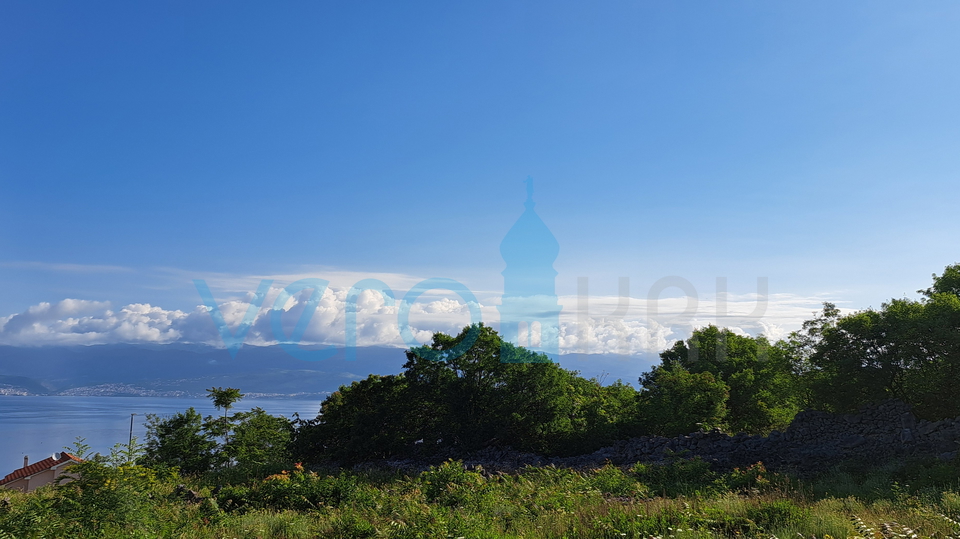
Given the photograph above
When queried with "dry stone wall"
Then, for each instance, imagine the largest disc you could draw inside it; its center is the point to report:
(814, 441)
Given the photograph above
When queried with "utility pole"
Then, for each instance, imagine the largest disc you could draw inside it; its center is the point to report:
(130, 443)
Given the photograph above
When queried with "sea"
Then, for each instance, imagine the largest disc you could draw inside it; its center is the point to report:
(39, 426)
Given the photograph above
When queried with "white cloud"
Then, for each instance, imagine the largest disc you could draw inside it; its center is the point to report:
(74, 321)
(613, 336)
(600, 329)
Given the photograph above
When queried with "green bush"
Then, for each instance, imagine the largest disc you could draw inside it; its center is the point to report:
(179, 441)
(450, 484)
(678, 477)
(611, 480)
(777, 514)
(676, 401)
(725, 523)
(191, 443)
(28, 516)
(258, 438)
(924, 474)
(753, 479)
(299, 490)
(451, 501)
(352, 526)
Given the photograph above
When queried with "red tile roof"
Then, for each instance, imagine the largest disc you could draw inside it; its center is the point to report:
(38, 467)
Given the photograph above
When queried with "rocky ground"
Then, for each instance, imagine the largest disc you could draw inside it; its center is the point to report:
(814, 442)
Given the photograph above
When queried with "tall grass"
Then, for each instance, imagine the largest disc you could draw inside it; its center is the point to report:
(682, 499)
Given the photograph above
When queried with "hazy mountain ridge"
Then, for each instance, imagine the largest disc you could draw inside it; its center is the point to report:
(187, 370)
(179, 371)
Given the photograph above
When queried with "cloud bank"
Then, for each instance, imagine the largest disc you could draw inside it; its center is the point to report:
(593, 325)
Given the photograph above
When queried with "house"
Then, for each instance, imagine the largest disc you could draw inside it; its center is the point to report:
(39, 473)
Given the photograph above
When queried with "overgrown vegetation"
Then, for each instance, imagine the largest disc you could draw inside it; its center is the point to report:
(497, 394)
(240, 477)
(684, 498)
(194, 444)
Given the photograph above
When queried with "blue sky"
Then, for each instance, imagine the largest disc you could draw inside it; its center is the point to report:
(146, 145)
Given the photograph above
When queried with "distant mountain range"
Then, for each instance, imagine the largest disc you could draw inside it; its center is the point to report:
(187, 370)
(181, 370)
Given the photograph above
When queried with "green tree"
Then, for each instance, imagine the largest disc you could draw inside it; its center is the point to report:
(931, 383)
(180, 441)
(908, 350)
(369, 418)
(948, 283)
(224, 399)
(765, 389)
(495, 394)
(259, 438)
(861, 359)
(676, 401)
(189, 441)
(601, 415)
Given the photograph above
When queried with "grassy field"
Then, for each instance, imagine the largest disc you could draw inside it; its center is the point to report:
(682, 499)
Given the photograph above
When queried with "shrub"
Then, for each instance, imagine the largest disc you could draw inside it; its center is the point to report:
(777, 514)
(924, 474)
(611, 480)
(678, 477)
(107, 497)
(753, 479)
(351, 526)
(259, 438)
(299, 490)
(450, 483)
(724, 522)
(28, 515)
(676, 401)
(179, 441)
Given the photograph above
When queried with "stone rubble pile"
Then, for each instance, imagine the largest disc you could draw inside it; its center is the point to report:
(813, 442)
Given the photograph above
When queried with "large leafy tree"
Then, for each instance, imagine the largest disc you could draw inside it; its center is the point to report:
(601, 414)
(180, 441)
(762, 380)
(506, 395)
(676, 401)
(863, 358)
(367, 419)
(932, 385)
(494, 394)
(947, 283)
(908, 350)
(192, 442)
(259, 438)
